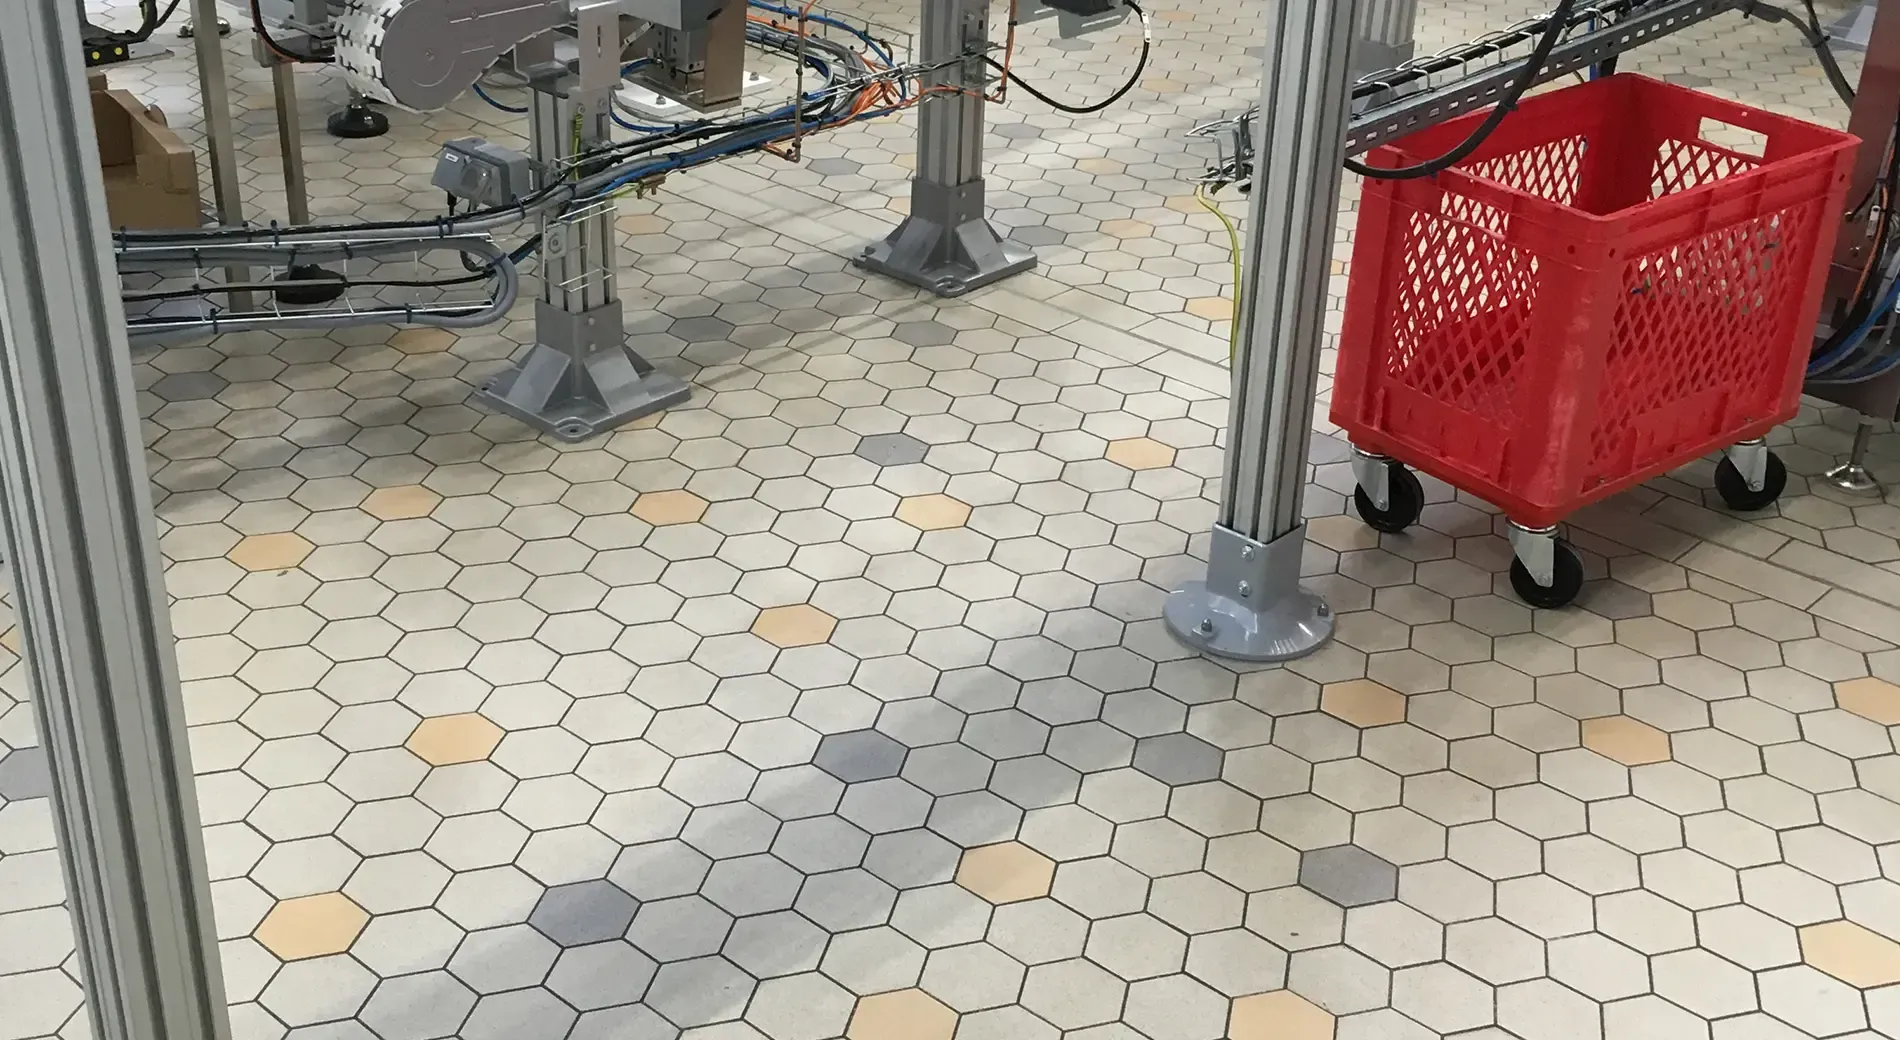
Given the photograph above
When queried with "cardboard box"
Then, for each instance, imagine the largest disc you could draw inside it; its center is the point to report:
(150, 174)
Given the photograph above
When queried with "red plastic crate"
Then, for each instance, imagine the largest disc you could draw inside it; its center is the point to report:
(1597, 295)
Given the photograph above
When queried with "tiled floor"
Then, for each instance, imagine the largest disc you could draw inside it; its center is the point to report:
(836, 703)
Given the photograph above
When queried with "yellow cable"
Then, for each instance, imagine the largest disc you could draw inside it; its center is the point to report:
(1233, 250)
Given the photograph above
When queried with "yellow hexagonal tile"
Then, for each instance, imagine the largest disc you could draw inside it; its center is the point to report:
(933, 512)
(1626, 740)
(1853, 954)
(799, 624)
(1870, 698)
(1363, 703)
(661, 508)
(1007, 872)
(1140, 453)
(311, 926)
(1281, 1015)
(907, 1014)
(449, 739)
(270, 552)
(422, 341)
(1212, 308)
(642, 224)
(1127, 228)
(408, 502)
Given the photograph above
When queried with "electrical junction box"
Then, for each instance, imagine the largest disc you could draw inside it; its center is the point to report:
(482, 174)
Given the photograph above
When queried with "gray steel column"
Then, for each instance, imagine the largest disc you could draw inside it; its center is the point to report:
(283, 83)
(214, 92)
(1251, 606)
(77, 517)
(580, 378)
(946, 244)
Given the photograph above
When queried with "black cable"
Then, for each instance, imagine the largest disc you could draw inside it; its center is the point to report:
(602, 156)
(150, 21)
(146, 296)
(1815, 36)
(1553, 31)
(1141, 65)
(263, 33)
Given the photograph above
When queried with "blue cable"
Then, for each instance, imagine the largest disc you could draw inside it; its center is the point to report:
(1864, 375)
(637, 128)
(510, 109)
(1821, 365)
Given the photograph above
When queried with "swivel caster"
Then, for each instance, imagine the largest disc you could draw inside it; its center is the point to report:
(1389, 497)
(1546, 573)
(1750, 477)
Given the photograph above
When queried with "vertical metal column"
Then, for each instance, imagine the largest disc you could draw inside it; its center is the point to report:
(946, 244)
(1251, 606)
(580, 378)
(283, 83)
(77, 517)
(214, 94)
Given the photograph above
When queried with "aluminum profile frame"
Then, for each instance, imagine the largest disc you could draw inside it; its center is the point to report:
(94, 623)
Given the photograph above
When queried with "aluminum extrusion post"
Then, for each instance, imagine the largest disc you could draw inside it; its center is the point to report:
(580, 378)
(220, 140)
(77, 515)
(946, 244)
(1251, 606)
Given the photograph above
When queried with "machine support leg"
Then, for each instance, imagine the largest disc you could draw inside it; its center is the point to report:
(356, 120)
(316, 284)
(1251, 606)
(1852, 475)
(220, 139)
(283, 84)
(946, 244)
(77, 516)
(580, 378)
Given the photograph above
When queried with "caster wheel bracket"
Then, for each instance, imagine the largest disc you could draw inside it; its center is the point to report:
(1374, 475)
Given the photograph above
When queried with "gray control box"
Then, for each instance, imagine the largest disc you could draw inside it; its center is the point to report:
(482, 174)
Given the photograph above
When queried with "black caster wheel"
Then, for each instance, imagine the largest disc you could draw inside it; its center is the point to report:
(1566, 575)
(1405, 500)
(1744, 499)
(357, 121)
